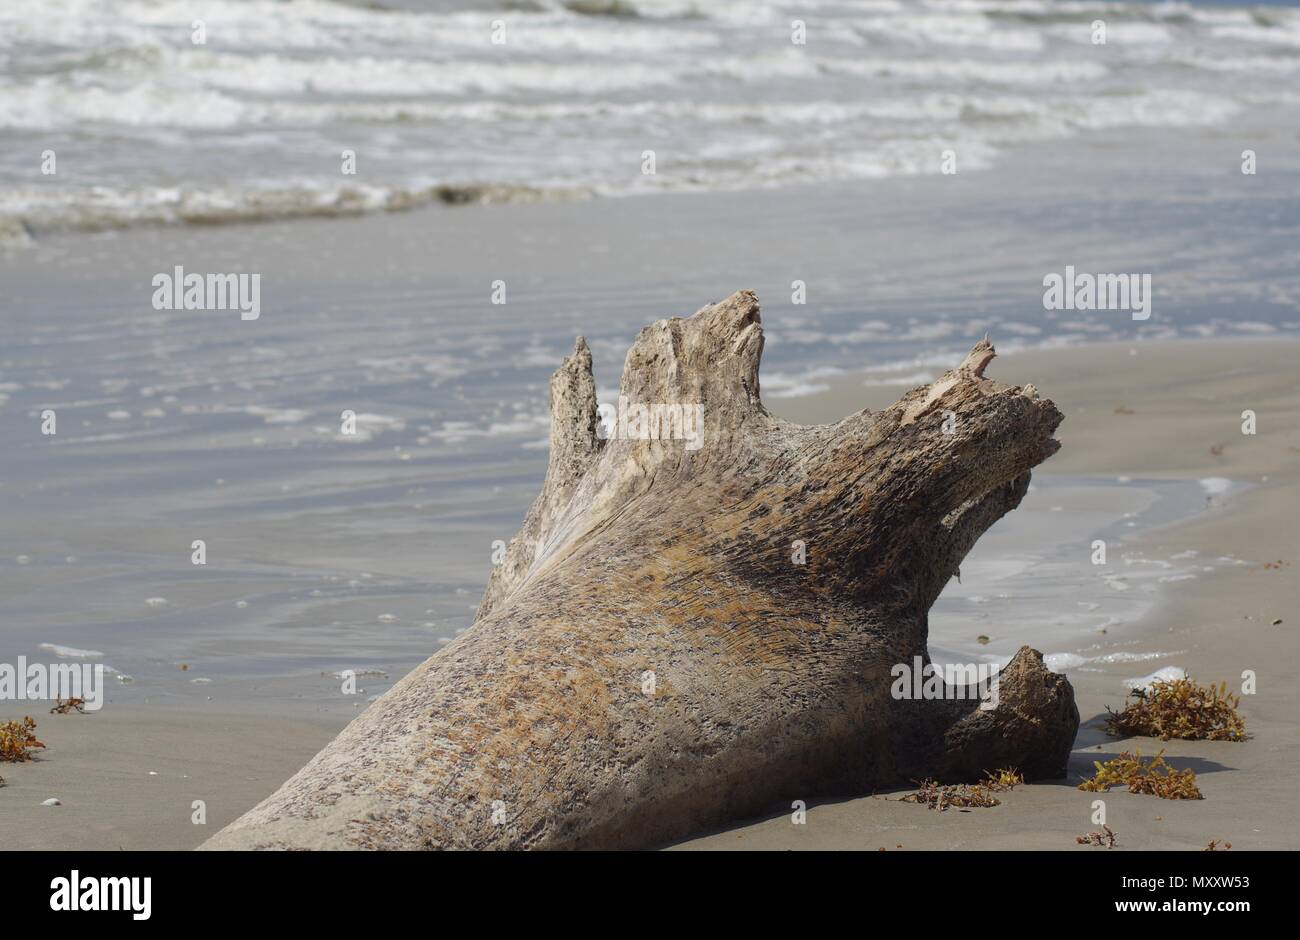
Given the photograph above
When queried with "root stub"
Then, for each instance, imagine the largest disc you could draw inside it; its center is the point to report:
(698, 619)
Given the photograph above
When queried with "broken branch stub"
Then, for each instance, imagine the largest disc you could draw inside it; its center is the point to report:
(651, 659)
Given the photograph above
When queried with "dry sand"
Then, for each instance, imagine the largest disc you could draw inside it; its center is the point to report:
(1137, 410)
(128, 779)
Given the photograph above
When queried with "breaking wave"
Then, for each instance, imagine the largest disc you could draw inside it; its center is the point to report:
(460, 101)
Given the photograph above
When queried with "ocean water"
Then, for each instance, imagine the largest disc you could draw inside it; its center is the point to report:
(1030, 579)
(327, 553)
(147, 126)
(774, 163)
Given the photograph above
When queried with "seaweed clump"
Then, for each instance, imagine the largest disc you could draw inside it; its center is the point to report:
(1180, 709)
(1000, 781)
(1155, 777)
(961, 795)
(62, 707)
(1106, 837)
(964, 795)
(17, 740)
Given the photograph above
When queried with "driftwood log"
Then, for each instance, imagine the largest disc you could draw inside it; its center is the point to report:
(650, 661)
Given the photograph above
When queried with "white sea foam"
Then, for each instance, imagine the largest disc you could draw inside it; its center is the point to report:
(1215, 486)
(1061, 662)
(1127, 657)
(1167, 674)
(71, 652)
(278, 415)
(439, 112)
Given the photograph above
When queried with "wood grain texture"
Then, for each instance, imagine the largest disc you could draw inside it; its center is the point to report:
(771, 678)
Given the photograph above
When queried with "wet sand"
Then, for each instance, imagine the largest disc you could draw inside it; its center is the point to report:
(129, 779)
(1137, 410)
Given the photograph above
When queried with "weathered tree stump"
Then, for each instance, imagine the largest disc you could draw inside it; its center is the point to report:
(542, 726)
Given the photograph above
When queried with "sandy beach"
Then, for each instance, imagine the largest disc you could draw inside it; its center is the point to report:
(127, 777)
(1145, 410)
(234, 515)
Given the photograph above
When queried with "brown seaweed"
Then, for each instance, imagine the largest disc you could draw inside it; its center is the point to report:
(1154, 777)
(17, 740)
(1180, 709)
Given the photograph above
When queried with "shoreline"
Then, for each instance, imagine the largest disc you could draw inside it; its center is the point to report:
(1221, 624)
(1174, 410)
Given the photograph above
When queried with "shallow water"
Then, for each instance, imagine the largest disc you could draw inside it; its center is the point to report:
(1037, 579)
(278, 633)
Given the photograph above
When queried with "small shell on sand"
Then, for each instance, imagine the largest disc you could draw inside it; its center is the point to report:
(52, 801)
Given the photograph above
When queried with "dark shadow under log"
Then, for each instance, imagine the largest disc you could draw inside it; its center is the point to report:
(651, 660)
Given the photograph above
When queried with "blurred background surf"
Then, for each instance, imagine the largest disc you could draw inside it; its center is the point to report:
(251, 124)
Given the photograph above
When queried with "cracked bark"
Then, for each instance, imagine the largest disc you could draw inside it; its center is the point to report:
(772, 679)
